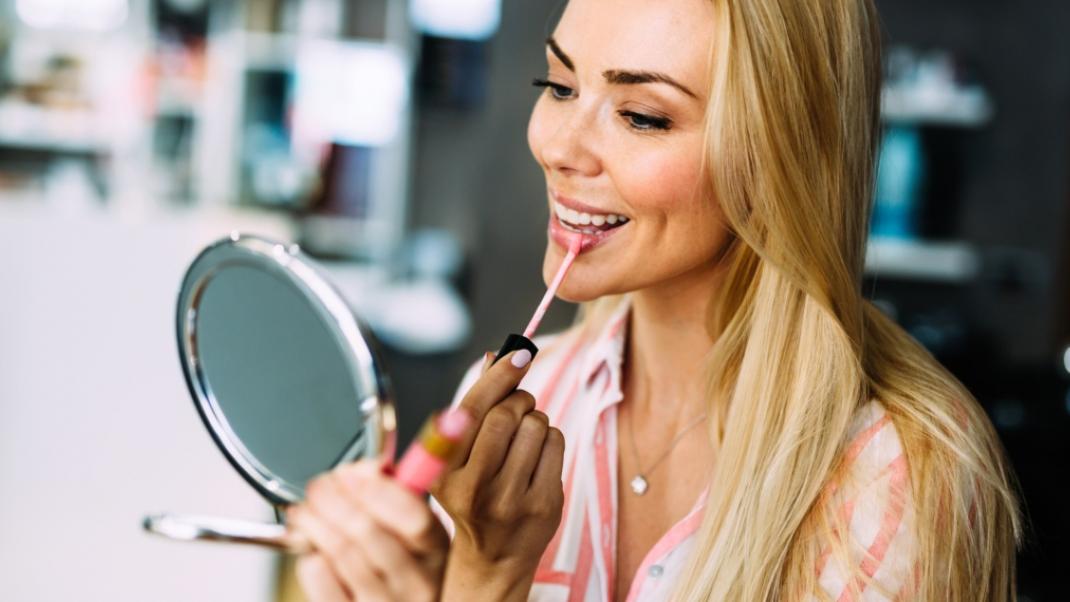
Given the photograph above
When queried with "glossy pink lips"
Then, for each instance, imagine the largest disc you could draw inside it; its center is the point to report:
(563, 236)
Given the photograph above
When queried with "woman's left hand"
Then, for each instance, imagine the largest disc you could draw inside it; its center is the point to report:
(374, 540)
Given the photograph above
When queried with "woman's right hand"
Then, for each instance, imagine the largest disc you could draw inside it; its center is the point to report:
(504, 490)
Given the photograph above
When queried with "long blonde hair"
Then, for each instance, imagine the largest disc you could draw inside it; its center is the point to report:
(793, 125)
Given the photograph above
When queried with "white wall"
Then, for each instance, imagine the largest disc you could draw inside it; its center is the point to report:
(96, 426)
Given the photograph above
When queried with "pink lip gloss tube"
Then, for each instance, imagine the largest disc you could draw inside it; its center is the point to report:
(426, 458)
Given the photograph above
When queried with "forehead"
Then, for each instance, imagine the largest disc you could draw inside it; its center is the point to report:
(670, 36)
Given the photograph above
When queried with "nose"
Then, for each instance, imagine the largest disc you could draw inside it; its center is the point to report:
(572, 147)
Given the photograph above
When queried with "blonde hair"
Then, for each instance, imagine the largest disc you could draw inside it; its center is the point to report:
(793, 125)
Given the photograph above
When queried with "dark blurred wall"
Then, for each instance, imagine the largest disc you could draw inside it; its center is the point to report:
(1014, 186)
(475, 175)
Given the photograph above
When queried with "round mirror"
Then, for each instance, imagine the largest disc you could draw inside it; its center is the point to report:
(282, 372)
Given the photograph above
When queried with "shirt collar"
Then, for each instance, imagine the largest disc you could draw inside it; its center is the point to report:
(607, 347)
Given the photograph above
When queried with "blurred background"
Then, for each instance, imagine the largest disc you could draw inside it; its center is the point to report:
(387, 137)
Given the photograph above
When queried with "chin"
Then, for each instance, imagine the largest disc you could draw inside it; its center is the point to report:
(580, 294)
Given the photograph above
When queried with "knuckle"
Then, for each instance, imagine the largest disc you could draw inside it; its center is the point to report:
(500, 421)
(503, 509)
(524, 399)
(555, 439)
(349, 552)
(315, 488)
(419, 527)
(312, 569)
(458, 501)
(544, 509)
(532, 426)
(550, 504)
(361, 527)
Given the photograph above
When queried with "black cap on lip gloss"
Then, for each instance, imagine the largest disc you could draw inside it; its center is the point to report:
(514, 342)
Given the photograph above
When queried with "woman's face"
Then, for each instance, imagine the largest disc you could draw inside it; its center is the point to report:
(618, 131)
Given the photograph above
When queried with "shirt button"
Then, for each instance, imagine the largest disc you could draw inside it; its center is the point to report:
(656, 570)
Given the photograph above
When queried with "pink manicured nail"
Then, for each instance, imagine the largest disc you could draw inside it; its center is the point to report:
(454, 423)
(521, 358)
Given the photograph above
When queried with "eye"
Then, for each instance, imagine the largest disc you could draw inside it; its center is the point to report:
(645, 123)
(558, 91)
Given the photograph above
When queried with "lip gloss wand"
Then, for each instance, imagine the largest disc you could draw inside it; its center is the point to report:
(426, 458)
(523, 341)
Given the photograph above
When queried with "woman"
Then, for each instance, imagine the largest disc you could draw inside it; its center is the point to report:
(731, 420)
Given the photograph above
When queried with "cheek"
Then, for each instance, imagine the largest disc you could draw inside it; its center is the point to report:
(667, 184)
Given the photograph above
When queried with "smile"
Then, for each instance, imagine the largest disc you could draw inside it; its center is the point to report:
(587, 223)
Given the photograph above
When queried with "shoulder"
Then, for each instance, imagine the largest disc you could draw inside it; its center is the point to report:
(869, 502)
(873, 446)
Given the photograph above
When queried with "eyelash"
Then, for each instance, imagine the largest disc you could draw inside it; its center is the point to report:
(650, 122)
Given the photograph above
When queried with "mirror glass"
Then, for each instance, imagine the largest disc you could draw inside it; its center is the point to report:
(282, 372)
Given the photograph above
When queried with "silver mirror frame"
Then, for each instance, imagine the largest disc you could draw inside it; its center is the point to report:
(290, 264)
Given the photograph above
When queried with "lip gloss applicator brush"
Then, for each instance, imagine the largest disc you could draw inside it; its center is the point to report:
(427, 456)
(523, 341)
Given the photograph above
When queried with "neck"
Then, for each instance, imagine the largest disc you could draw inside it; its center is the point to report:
(667, 345)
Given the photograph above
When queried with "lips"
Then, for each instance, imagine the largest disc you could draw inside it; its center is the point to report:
(571, 204)
(562, 235)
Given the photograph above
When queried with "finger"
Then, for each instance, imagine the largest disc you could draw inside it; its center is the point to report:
(395, 508)
(547, 474)
(403, 571)
(495, 434)
(345, 556)
(498, 381)
(488, 361)
(517, 408)
(318, 581)
(524, 452)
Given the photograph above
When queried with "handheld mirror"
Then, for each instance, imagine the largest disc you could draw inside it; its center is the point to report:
(283, 374)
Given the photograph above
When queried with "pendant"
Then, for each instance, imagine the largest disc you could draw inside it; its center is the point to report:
(639, 485)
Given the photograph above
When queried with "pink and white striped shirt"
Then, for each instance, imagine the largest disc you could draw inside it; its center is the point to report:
(576, 381)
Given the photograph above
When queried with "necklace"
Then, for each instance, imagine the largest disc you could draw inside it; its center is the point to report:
(639, 483)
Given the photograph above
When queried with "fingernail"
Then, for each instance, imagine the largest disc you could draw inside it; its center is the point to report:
(521, 358)
(454, 423)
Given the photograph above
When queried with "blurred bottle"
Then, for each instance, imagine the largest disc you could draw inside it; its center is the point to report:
(900, 178)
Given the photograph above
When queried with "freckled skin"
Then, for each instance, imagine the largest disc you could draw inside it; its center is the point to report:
(589, 151)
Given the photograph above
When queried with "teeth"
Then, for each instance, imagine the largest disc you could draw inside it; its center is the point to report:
(577, 218)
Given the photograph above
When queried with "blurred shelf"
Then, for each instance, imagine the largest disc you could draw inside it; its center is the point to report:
(29, 141)
(964, 108)
(279, 51)
(341, 236)
(950, 262)
(30, 127)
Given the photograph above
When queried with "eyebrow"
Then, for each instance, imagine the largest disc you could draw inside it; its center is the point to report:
(618, 76)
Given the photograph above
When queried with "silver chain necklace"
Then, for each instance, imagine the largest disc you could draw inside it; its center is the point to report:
(639, 482)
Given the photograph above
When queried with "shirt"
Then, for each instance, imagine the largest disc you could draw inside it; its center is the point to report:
(576, 381)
